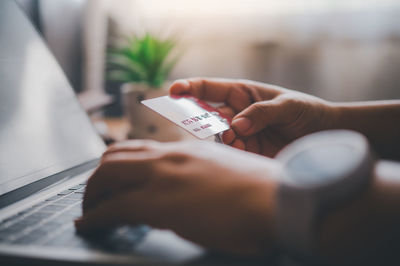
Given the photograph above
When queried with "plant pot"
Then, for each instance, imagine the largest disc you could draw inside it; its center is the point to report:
(144, 122)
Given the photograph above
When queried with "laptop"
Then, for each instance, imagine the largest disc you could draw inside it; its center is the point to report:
(48, 149)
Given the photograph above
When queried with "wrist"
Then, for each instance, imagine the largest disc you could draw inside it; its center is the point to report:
(337, 114)
(364, 223)
(343, 231)
(323, 172)
(347, 116)
(378, 121)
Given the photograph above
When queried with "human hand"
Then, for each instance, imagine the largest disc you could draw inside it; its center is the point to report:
(265, 117)
(219, 197)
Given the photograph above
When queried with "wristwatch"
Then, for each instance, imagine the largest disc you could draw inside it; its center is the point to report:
(321, 171)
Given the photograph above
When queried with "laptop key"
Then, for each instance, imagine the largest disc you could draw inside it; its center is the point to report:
(38, 216)
(27, 240)
(3, 236)
(77, 196)
(24, 223)
(26, 211)
(81, 190)
(69, 216)
(66, 201)
(52, 225)
(61, 238)
(6, 235)
(77, 187)
(56, 197)
(62, 220)
(65, 192)
(39, 232)
(39, 205)
(52, 208)
(10, 219)
(15, 228)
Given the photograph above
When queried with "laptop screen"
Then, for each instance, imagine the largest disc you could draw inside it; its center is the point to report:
(43, 129)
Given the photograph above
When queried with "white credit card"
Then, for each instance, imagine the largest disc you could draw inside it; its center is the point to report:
(192, 114)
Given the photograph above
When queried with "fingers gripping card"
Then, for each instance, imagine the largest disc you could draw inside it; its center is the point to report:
(192, 114)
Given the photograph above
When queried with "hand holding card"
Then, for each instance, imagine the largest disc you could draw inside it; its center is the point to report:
(194, 115)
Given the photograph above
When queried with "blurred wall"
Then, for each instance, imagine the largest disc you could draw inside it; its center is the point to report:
(338, 50)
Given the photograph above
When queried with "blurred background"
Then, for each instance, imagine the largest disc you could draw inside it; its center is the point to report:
(342, 50)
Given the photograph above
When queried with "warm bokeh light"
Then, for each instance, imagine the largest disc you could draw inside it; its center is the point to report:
(209, 8)
(334, 49)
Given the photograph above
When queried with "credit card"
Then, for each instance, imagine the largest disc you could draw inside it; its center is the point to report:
(194, 115)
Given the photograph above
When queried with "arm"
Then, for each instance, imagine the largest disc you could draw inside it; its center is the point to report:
(267, 117)
(214, 195)
(225, 199)
(379, 121)
(366, 227)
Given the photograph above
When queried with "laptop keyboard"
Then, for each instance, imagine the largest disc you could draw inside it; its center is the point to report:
(50, 223)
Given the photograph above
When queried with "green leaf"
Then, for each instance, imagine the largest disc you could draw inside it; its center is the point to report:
(124, 63)
(121, 75)
(145, 59)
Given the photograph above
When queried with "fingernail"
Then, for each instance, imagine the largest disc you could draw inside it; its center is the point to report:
(241, 125)
(182, 84)
(228, 136)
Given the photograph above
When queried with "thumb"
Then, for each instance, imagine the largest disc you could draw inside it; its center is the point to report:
(106, 215)
(257, 116)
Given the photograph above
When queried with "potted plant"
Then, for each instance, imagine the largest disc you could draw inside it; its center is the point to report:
(143, 64)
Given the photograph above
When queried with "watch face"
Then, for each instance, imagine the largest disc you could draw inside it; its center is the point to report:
(325, 164)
